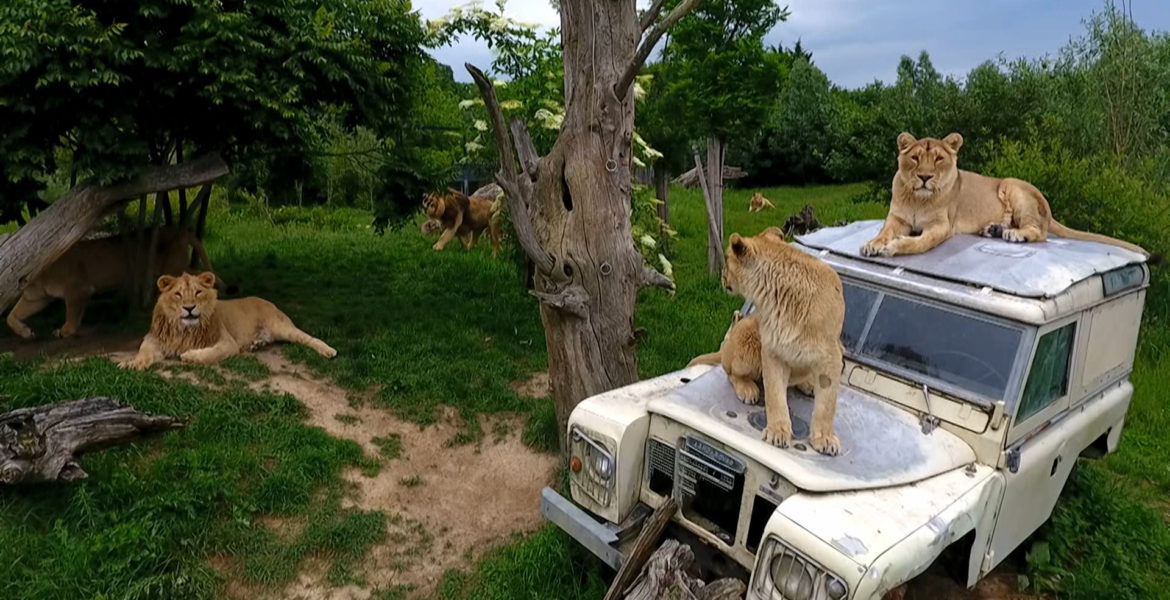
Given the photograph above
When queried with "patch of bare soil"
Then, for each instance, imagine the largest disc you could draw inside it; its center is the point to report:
(445, 504)
(536, 386)
(87, 342)
(1000, 585)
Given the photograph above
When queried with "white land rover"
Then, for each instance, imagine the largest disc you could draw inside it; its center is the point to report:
(975, 375)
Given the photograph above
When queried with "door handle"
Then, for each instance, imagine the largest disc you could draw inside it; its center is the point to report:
(1055, 464)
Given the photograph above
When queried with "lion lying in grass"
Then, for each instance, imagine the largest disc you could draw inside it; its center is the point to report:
(758, 203)
(800, 310)
(190, 323)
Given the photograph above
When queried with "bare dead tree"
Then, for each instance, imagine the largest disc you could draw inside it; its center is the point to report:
(571, 208)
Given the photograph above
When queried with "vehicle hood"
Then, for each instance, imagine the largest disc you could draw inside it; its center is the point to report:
(881, 445)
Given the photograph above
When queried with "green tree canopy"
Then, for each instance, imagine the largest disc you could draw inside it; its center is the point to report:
(119, 85)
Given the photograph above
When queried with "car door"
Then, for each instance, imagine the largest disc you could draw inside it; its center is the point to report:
(1043, 441)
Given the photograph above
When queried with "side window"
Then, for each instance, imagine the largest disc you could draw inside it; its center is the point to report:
(1048, 377)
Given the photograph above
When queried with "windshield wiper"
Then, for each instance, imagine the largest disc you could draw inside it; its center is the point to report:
(929, 421)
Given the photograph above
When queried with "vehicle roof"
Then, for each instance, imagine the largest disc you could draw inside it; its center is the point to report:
(1034, 270)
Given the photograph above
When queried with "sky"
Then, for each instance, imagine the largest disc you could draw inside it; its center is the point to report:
(854, 43)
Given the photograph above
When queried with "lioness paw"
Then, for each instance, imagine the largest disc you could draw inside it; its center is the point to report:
(748, 391)
(135, 364)
(1014, 236)
(875, 248)
(994, 230)
(826, 444)
(778, 435)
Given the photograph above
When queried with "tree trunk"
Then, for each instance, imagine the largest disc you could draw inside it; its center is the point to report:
(714, 188)
(37, 245)
(43, 443)
(571, 209)
(184, 218)
(662, 191)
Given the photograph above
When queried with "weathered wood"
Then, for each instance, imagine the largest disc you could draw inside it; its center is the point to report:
(690, 178)
(715, 258)
(662, 191)
(665, 577)
(202, 203)
(37, 245)
(643, 547)
(151, 253)
(572, 218)
(43, 443)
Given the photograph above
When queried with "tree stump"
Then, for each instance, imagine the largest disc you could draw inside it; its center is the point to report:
(665, 577)
(42, 443)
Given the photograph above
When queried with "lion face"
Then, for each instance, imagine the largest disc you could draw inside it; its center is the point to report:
(741, 257)
(433, 206)
(188, 299)
(928, 165)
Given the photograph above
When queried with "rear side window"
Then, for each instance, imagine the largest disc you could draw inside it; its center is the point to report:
(1048, 377)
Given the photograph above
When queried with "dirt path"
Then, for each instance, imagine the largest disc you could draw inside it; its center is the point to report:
(445, 504)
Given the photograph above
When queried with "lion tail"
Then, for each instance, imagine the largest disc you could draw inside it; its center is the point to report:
(711, 358)
(1057, 228)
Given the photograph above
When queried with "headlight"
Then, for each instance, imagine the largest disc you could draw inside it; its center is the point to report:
(596, 478)
(791, 576)
(603, 466)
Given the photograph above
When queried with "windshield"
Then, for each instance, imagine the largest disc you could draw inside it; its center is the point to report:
(951, 347)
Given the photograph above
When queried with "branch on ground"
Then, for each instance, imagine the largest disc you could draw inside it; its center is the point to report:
(43, 443)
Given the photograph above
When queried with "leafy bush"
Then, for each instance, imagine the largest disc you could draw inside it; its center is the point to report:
(1097, 194)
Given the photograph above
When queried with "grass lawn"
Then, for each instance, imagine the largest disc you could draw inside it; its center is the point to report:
(417, 330)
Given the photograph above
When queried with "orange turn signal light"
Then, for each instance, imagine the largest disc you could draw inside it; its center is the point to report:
(575, 464)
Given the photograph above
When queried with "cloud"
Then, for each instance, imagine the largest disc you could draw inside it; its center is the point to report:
(857, 41)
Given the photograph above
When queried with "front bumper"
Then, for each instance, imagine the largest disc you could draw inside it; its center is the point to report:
(601, 538)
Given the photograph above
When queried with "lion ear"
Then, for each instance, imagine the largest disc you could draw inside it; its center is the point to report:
(953, 141)
(165, 282)
(207, 279)
(739, 245)
(775, 232)
(905, 140)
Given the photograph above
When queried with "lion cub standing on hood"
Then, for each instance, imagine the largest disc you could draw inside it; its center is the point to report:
(191, 324)
(801, 310)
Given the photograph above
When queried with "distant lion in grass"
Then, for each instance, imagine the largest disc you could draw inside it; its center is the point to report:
(758, 203)
(801, 311)
(191, 324)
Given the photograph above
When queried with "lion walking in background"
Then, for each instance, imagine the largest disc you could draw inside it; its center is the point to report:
(463, 216)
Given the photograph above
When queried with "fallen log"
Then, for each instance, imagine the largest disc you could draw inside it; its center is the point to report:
(665, 577)
(642, 550)
(42, 443)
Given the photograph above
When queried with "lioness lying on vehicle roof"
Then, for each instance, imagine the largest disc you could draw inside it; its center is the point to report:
(93, 266)
(933, 199)
(800, 310)
(190, 323)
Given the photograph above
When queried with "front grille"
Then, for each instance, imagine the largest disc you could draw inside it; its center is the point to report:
(660, 467)
(710, 487)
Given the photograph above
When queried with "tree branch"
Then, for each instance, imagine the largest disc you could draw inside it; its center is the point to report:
(525, 148)
(32, 248)
(496, 116)
(516, 189)
(652, 278)
(571, 300)
(651, 14)
(648, 43)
